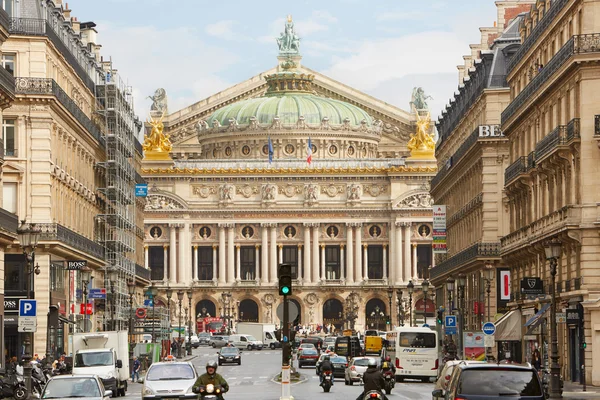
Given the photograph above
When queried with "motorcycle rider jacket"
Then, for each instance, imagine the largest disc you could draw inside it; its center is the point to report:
(214, 379)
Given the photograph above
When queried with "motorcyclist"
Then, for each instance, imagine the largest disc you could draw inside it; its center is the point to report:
(372, 379)
(211, 377)
(325, 366)
(388, 365)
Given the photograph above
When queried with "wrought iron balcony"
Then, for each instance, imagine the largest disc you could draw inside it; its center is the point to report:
(68, 48)
(536, 32)
(57, 232)
(561, 135)
(47, 86)
(4, 20)
(9, 222)
(142, 273)
(515, 169)
(470, 254)
(462, 150)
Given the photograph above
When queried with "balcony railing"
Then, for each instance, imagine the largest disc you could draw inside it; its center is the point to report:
(8, 221)
(561, 135)
(47, 86)
(462, 150)
(4, 19)
(142, 273)
(466, 256)
(515, 169)
(578, 44)
(57, 232)
(7, 82)
(536, 32)
(40, 27)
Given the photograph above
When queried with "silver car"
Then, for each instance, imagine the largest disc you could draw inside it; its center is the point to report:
(168, 380)
(356, 368)
(218, 341)
(75, 386)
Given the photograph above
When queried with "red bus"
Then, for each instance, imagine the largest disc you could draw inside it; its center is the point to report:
(210, 324)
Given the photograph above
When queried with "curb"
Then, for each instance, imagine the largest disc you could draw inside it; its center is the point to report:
(580, 394)
(302, 380)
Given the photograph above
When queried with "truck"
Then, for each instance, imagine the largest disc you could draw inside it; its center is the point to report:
(263, 332)
(105, 354)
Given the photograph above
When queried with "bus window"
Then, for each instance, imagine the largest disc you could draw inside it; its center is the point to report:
(414, 339)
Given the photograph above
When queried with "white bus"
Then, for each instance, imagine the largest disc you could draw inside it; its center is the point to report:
(416, 353)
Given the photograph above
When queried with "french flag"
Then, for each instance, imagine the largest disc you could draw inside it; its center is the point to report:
(270, 150)
(309, 152)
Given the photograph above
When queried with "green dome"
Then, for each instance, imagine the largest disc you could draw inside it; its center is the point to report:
(289, 107)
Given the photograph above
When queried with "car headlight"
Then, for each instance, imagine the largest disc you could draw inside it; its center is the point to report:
(210, 388)
(221, 357)
(237, 356)
(147, 392)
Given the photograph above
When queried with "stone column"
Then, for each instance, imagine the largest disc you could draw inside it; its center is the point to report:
(264, 259)
(342, 261)
(414, 261)
(214, 262)
(385, 266)
(307, 271)
(407, 263)
(238, 263)
(222, 260)
(315, 253)
(398, 254)
(280, 253)
(173, 253)
(366, 260)
(298, 274)
(146, 261)
(323, 274)
(230, 254)
(350, 258)
(273, 255)
(185, 260)
(432, 258)
(195, 270)
(358, 254)
(256, 262)
(391, 273)
(166, 262)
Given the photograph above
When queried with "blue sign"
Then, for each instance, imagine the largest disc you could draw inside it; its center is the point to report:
(97, 293)
(425, 326)
(141, 190)
(489, 328)
(27, 308)
(148, 303)
(450, 330)
(450, 321)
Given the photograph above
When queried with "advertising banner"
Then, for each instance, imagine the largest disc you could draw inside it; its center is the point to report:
(474, 346)
(439, 229)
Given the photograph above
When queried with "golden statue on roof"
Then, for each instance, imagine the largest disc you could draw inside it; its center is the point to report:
(157, 144)
(421, 144)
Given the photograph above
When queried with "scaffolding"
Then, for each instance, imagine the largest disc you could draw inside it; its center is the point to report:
(116, 227)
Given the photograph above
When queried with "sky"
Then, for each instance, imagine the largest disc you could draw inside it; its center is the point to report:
(196, 48)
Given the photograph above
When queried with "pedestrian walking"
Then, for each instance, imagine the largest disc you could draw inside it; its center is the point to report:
(136, 370)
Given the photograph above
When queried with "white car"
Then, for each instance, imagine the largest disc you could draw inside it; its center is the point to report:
(79, 386)
(357, 368)
(168, 380)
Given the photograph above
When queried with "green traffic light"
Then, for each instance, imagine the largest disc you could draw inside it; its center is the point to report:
(285, 290)
(584, 345)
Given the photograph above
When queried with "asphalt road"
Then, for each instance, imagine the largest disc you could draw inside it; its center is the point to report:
(253, 380)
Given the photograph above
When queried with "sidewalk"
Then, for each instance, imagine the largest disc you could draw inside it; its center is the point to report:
(574, 390)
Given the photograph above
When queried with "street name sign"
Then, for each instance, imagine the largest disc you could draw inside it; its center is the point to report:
(97, 294)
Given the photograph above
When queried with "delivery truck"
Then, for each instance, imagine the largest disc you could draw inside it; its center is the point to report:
(262, 332)
(105, 354)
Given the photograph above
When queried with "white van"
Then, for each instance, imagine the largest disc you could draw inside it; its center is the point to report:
(245, 342)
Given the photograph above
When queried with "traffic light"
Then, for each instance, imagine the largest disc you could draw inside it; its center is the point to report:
(284, 274)
(387, 320)
(440, 317)
(584, 345)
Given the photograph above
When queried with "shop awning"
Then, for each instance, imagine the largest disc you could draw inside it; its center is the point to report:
(508, 327)
(537, 319)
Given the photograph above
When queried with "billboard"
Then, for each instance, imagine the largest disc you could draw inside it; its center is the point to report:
(439, 229)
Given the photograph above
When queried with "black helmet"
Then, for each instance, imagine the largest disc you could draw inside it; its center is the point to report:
(211, 364)
(326, 358)
(372, 362)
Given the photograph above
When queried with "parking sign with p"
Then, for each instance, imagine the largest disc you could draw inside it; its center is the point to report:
(27, 308)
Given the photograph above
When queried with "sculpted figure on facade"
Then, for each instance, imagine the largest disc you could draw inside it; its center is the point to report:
(288, 41)
(311, 192)
(354, 192)
(159, 101)
(419, 99)
(269, 192)
(226, 192)
(160, 203)
(422, 200)
(157, 141)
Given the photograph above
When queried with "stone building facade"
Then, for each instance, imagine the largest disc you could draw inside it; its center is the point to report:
(355, 223)
(55, 142)
(552, 183)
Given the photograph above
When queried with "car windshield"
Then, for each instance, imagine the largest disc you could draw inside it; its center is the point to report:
(229, 350)
(338, 359)
(169, 372)
(203, 334)
(71, 387)
(94, 359)
(499, 382)
(362, 362)
(414, 339)
(309, 351)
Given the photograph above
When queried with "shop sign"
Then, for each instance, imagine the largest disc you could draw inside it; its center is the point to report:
(12, 303)
(573, 316)
(439, 229)
(561, 317)
(532, 286)
(490, 131)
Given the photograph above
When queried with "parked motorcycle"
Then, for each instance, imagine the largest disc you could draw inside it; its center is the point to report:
(38, 380)
(327, 381)
(390, 381)
(11, 385)
(209, 392)
(373, 395)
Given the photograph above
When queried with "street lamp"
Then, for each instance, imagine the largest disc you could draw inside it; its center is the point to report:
(169, 293)
(131, 292)
(411, 288)
(189, 343)
(113, 276)
(352, 309)
(377, 313)
(425, 289)
(553, 251)
(180, 294)
(461, 281)
(28, 235)
(390, 293)
(153, 293)
(86, 275)
(400, 304)
(488, 276)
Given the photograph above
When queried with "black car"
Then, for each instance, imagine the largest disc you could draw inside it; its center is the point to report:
(492, 381)
(230, 355)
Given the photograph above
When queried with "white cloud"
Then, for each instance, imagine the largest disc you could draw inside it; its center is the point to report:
(221, 29)
(175, 59)
(401, 16)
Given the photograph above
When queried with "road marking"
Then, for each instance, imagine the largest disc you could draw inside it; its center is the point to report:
(247, 377)
(263, 377)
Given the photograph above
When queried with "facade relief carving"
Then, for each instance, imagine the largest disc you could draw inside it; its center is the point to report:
(226, 194)
(332, 190)
(290, 190)
(375, 190)
(247, 190)
(158, 202)
(268, 192)
(421, 200)
(203, 191)
(353, 192)
(311, 194)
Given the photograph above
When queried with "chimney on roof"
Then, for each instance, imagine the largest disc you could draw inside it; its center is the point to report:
(67, 12)
(76, 25)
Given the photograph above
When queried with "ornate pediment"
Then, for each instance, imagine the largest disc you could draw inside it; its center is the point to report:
(418, 200)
